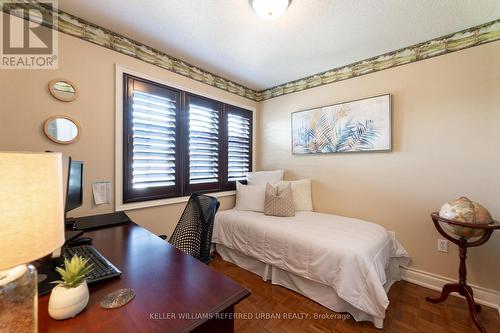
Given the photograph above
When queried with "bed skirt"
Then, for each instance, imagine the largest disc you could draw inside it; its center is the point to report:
(320, 293)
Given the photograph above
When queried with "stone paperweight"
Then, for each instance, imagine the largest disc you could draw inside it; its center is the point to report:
(117, 298)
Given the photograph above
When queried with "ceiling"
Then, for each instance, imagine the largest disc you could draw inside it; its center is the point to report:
(227, 38)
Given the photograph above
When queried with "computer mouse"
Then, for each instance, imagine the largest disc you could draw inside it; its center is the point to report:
(80, 241)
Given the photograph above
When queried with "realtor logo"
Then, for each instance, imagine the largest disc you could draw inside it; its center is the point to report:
(26, 42)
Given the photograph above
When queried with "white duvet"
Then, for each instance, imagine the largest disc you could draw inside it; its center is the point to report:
(347, 254)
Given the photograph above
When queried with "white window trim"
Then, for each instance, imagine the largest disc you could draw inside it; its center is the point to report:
(119, 205)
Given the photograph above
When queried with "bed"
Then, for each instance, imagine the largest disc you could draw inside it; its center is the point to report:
(344, 264)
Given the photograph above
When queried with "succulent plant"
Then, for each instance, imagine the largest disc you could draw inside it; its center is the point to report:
(74, 272)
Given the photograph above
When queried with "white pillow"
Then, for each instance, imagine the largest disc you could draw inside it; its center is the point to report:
(250, 197)
(264, 177)
(301, 192)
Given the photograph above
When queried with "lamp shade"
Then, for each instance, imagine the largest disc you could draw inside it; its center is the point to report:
(31, 206)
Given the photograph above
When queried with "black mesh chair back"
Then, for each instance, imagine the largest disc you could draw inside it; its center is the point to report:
(193, 233)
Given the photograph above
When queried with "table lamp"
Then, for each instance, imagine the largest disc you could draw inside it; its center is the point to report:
(31, 227)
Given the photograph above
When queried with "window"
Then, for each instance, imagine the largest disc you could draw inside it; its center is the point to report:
(176, 143)
(239, 138)
(204, 142)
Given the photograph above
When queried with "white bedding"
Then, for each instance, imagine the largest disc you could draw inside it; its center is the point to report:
(347, 254)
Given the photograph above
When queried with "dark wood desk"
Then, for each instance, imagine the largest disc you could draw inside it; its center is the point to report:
(168, 284)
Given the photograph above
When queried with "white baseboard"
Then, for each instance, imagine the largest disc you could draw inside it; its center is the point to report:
(482, 295)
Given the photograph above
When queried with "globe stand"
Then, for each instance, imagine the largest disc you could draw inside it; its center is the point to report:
(461, 287)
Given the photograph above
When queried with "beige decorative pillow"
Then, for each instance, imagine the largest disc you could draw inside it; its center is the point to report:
(279, 201)
(301, 191)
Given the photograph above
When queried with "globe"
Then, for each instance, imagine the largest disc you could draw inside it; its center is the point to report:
(467, 211)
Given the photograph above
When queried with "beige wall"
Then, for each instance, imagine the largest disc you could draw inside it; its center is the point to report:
(25, 103)
(446, 121)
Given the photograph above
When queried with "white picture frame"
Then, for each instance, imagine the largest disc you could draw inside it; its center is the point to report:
(363, 125)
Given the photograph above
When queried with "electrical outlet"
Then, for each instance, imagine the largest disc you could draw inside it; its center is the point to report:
(442, 245)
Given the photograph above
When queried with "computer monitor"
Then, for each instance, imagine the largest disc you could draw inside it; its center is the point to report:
(73, 195)
(74, 187)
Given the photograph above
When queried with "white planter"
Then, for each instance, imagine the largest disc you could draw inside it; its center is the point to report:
(68, 302)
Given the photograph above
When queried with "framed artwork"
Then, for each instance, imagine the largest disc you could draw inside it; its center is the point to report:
(360, 125)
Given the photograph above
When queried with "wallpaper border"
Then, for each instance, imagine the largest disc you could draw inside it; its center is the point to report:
(80, 28)
(479, 35)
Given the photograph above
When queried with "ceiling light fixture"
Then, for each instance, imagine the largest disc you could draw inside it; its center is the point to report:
(270, 9)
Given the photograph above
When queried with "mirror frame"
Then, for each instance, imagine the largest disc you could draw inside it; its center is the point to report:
(63, 99)
(47, 134)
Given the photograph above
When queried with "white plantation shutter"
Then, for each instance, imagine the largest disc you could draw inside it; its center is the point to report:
(176, 143)
(153, 139)
(151, 154)
(203, 143)
(239, 148)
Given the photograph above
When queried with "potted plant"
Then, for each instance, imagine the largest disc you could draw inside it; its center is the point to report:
(71, 294)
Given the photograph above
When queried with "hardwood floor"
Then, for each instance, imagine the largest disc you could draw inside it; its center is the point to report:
(408, 311)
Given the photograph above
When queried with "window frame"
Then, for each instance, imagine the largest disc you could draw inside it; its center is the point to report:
(154, 193)
(225, 189)
(203, 187)
(231, 185)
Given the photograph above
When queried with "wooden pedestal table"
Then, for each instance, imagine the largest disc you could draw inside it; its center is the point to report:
(461, 287)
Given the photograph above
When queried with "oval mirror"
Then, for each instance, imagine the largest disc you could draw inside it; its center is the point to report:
(62, 129)
(63, 90)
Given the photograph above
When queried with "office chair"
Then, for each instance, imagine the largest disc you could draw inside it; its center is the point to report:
(193, 233)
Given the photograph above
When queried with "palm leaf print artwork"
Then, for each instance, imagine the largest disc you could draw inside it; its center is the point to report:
(363, 125)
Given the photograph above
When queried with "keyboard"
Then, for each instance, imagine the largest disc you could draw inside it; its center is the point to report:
(103, 268)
